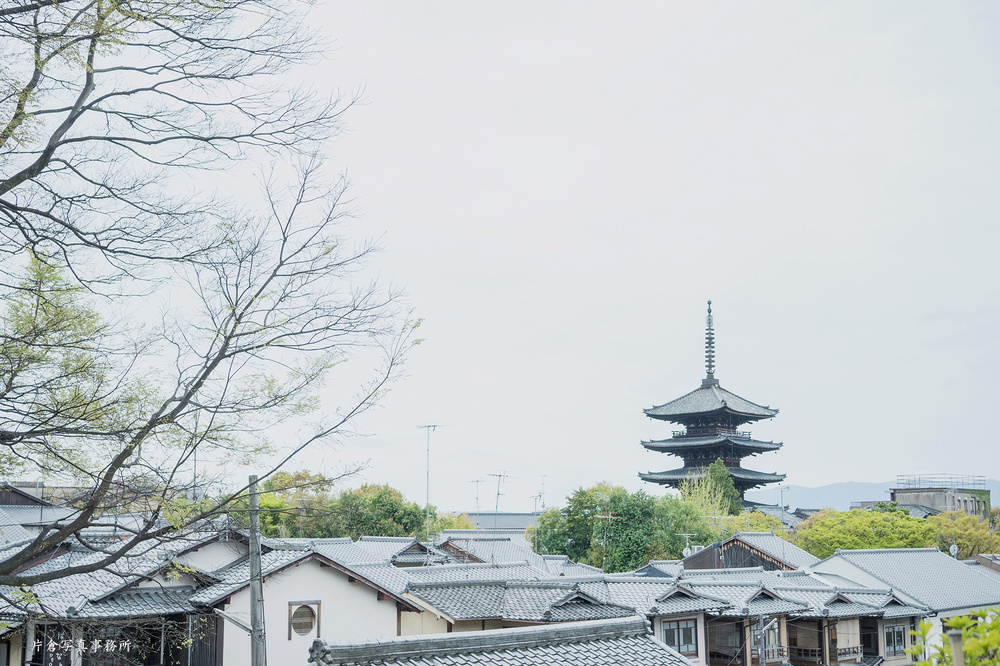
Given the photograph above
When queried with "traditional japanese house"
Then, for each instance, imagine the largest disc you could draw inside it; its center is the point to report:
(711, 416)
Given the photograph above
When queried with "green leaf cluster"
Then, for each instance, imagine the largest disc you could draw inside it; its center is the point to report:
(299, 504)
(828, 530)
(980, 640)
(608, 527)
(713, 493)
(971, 534)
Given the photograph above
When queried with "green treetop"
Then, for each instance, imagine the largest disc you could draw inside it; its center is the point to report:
(828, 530)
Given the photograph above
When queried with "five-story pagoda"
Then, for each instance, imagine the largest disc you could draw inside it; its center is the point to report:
(711, 416)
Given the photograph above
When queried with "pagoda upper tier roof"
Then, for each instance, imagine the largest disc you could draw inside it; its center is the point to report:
(709, 398)
(741, 475)
(689, 443)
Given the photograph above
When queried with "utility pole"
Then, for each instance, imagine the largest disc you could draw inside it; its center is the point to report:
(607, 517)
(534, 532)
(256, 583)
(427, 497)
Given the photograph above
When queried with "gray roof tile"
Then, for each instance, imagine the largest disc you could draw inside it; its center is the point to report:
(682, 443)
(708, 399)
(778, 548)
(619, 641)
(927, 575)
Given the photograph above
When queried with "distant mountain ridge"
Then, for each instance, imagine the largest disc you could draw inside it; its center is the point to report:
(840, 495)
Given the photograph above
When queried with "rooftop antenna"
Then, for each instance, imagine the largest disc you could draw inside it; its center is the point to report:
(710, 379)
(781, 501)
(687, 544)
(477, 482)
(500, 477)
(427, 497)
(534, 532)
(543, 492)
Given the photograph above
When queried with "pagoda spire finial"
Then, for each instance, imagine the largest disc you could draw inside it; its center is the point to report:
(710, 379)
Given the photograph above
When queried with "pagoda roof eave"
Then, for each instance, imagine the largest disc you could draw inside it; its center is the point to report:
(739, 474)
(707, 400)
(688, 443)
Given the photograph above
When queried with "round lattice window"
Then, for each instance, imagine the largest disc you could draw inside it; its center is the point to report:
(303, 620)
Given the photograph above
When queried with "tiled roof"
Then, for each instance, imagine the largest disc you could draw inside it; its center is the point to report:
(680, 600)
(237, 576)
(503, 520)
(738, 474)
(514, 534)
(778, 548)
(637, 593)
(25, 514)
(384, 548)
(708, 399)
(926, 575)
(59, 595)
(344, 551)
(11, 530)
(619, 641)
(561, 565)
(515, 601)
(788, 519)
(463, 601)
(684, 443)
(496, 551)
(661, 568)
(531, 602)
(475, 572)
(140, 603)
(390, 578)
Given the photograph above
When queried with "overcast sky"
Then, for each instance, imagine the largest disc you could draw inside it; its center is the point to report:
(560, 186)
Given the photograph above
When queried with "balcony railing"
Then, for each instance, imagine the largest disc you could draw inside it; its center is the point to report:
(806, 654)
(771, 653)
(815, 655)
(849, 652)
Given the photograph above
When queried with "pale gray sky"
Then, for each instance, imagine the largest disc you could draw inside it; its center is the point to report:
(562, 185)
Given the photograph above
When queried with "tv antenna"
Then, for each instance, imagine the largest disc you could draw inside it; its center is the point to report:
(478, 482)
(687, 543)
(500, 478)
(427, 496)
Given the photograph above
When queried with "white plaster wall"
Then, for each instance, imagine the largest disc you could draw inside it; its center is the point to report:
(468, 625)
(422, 623)
(15, 657)
(215, 555)
(348, 612)
(848, 632)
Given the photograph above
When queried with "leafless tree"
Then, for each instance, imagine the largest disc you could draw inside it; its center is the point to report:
(111, 110)
(107, 107)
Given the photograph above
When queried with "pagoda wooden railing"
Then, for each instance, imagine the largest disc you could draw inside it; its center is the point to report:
(703, 432)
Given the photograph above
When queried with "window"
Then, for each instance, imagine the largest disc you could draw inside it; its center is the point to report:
(303, 617)
(303, 620)
(895, 640)
(681, 635)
